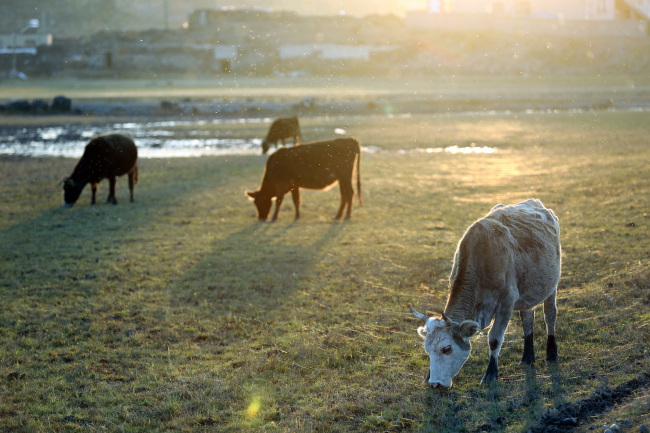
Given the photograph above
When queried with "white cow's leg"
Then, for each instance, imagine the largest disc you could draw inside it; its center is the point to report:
(528, 323)
(550, 313)
(495, 339)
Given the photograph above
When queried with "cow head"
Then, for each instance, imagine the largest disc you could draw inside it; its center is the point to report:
(262, 202)
(447, 343)
(265, 147)
(71, 191)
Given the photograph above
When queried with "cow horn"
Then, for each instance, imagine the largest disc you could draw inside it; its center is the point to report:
(418, 315)
(445, 318)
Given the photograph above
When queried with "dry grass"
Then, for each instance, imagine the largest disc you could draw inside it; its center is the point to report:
(182, 313)
(455, 87)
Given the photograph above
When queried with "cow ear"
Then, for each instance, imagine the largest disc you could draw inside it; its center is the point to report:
(422, 331)
(251, 194)
(468, 329)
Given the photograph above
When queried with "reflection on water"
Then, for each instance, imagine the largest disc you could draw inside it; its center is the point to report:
(451, 149)
(154, 141)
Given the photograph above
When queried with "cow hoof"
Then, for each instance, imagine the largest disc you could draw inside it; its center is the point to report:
(489, 379)
(527, 361)
(552, 359)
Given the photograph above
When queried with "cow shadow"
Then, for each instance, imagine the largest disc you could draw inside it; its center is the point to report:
(254, 270)
(85, 248)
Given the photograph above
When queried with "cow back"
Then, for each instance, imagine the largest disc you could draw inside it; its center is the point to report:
(284, 127)
(315, 165)
(517, 244)
(111, 154)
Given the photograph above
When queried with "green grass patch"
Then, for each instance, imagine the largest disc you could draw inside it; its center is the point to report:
(181, 312)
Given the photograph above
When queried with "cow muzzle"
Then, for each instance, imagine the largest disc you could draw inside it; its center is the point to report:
(439, 386)
(436, 385)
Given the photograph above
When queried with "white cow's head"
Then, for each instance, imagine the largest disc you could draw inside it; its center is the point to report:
(447, 344)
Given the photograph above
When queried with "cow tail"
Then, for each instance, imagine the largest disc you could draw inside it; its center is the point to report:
(359, 177)
(135, 174)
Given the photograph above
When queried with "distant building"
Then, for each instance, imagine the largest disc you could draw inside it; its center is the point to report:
(25, 40)
(549, 9)
(226, 55)
(202, 18)
(565, 9)
(558, 17)
(330, 51)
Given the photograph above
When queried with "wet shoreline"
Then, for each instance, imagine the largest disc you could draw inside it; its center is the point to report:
(183, 137)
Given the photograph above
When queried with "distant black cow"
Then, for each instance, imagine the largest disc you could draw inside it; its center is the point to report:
(106, 156)
(314, 165)
(281, 129)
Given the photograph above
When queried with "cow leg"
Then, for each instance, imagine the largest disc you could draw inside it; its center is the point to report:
(284, 143)
(131, 174)
(528, 322)
(94, 189)
(278, 203)
(347, 194)
(550, 313)
(495, 339)
(111, 190)
(343, 202)
(350, 196)
(295, 194)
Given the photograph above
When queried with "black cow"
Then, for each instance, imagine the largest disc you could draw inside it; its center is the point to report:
(314, 165)
(281, 129)
(106, 156)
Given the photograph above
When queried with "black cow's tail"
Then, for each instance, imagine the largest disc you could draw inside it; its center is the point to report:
(359, 175)
(135, 173)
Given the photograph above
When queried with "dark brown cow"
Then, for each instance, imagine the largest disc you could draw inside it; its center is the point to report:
(314, 165)
(281, 129)
(106, 156)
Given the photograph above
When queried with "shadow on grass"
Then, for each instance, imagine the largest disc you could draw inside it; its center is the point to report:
(75, 249)
(255, 270)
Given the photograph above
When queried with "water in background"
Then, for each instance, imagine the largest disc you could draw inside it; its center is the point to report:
(155, 140)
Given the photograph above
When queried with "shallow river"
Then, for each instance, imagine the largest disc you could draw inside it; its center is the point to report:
(155, 140)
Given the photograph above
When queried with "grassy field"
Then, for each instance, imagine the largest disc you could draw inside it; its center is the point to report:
(617, 86)
(181, 312)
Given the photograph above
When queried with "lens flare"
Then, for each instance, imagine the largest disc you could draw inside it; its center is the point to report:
(254, 407)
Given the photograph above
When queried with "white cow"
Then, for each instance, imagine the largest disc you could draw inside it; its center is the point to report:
(508, 260)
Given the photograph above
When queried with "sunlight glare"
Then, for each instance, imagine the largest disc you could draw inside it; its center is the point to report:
(254, 407)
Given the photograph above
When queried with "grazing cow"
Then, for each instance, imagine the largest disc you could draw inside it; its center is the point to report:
(508, 260)
(314, 165)
(281, 129)
(106, 156)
